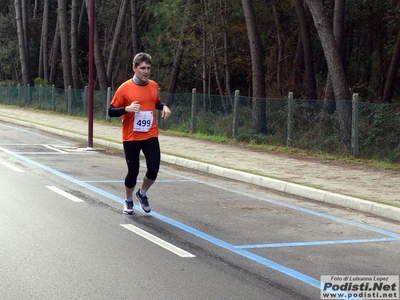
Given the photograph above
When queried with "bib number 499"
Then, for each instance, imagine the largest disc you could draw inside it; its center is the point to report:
(143, 121)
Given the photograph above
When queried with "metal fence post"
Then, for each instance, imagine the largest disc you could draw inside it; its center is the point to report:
(53, 95)
(19, 94)
(355, 148)
(27, 93)
(69, 100)
(40, 96)
(108, 103)
(290, 129)
(85, 100)
(235, 124)
(193, 109)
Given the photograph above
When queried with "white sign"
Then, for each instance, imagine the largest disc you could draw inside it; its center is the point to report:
(384, 287)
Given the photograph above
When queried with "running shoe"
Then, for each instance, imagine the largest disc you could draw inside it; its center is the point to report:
(144, 202)
(128, 208)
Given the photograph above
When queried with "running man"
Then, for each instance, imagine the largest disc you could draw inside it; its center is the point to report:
(136, 100)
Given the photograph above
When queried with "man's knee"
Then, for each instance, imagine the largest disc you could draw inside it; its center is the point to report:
(130, 180)
(152, 174)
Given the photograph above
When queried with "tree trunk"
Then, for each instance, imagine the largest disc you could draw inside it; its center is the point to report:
(392, 74)
(225, 26)
(54, 55)
(135, 27)
(25, 24)
(21, 42)
(116, 39)
(65, 48)
(176, 67)
(216, 73)
(227, 68)
(204, 70)
(43, 56)
(35, 9)
(204, 64)
(338, 33)
(210, 18)
(98, 57)
(74, 44)
(82, 18)
(338, 25)
(309, 80)
(335, 67)
(280, 47)
(257, 67)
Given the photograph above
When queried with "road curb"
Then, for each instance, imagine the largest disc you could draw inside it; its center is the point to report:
(378, 209)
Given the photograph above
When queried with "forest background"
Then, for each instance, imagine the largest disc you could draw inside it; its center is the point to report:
(317, 49)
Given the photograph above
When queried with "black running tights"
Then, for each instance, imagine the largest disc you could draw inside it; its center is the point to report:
(151, 151)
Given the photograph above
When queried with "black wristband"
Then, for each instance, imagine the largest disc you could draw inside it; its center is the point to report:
(160, 105)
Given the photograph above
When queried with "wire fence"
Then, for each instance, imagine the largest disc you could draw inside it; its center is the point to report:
(312, 125)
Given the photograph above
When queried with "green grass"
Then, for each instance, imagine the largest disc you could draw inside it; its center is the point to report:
(341, 157)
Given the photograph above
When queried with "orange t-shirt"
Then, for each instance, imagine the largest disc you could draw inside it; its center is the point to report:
(147, 96)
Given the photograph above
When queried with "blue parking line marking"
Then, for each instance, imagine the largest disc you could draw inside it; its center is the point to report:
(249, 255)
(315, 243)
(225, 245)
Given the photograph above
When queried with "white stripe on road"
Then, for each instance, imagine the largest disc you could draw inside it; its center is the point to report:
(12, 167)
(65, 194)
(158, 241)
(55, 149)
(6, 151)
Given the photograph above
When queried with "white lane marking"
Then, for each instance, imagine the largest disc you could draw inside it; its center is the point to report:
(39, 153)
(178, 251)
(12, 167)
(6, 151)
(65, 194)
(55, 149)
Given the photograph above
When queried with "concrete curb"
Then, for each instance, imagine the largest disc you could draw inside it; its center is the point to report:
(382, 210)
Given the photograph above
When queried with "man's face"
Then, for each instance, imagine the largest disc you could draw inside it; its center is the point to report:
(142, 71)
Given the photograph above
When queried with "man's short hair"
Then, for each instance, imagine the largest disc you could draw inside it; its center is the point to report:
(141, 57)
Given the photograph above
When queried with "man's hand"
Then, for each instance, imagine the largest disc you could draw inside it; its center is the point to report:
(166, 112)
(133, 107)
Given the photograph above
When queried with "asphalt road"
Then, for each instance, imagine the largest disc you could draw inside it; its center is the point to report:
(63, 235)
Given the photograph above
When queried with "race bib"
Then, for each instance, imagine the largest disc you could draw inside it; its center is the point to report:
(143, 121)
